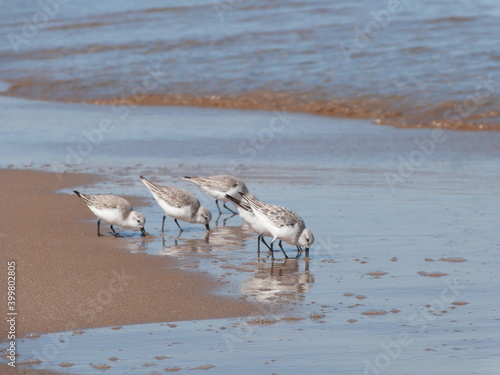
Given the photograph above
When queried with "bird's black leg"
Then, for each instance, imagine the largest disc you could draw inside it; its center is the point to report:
(299, 252)
(217, 203)
(176, 222)
(163, 223)
(264, 241)
(227, 218)
(281, 247)
(258, 243)
(98, 226)
(113, 230)
(227, 208)
(217, 220)
(271, 249)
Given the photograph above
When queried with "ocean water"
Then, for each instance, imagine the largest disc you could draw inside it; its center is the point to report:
(402, 278)
(404, 63)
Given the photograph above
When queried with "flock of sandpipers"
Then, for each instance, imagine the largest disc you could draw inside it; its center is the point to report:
(266, 220)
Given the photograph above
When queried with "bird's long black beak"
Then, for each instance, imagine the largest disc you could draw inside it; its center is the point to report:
(307, 252)
(143, 231)
(207, 226)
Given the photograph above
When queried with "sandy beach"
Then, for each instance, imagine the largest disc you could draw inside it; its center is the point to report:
(378, 123)
(401, 218)
(67, 278)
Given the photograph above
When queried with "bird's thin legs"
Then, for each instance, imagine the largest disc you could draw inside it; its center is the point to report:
(176, 222)
(281, 247)
(227, 208)
(217, 203)
(264, 241)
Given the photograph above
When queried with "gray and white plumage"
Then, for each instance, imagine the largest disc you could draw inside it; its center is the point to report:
(179, 204)
(218, 186)
(114, 210)
(282, 223)
(246, 213)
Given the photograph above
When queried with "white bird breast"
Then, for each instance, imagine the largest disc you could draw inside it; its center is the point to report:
(183, 213)
(112, 216)
(216, 194)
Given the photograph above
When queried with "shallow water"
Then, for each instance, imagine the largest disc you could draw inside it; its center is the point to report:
(400, 254)
(430, 63)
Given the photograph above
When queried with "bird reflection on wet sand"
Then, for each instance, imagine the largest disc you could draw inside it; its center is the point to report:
(287, 280)
(229, 252)
(224, 221)
(221, 238)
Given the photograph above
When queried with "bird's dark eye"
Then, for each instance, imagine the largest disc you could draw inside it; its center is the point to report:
(235, 185)
(138, 221)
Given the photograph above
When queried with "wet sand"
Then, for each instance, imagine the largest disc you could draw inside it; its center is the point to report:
(69, 279)
(389, 241)
(278, 101)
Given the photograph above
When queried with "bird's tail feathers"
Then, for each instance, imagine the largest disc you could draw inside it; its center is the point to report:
(83, 197)
(239, 203)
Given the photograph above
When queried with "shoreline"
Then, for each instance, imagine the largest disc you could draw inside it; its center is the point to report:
(285, 103)
(69, 279)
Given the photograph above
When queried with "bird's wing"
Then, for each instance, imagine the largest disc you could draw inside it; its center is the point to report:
(173, 196)
(104, 201)
(277, 215)
(218, 183)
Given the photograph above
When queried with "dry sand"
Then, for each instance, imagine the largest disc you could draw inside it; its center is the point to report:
(67, 276)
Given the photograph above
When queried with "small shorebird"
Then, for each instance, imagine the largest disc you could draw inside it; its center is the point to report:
(179, 204)
(283, 224)
(113, 210)
(218, 186)
(246, 213)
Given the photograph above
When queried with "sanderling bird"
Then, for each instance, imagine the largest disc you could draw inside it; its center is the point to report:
(114, 210)
(283, 224)
(246, 213)
(179, 204)
(218, 186)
